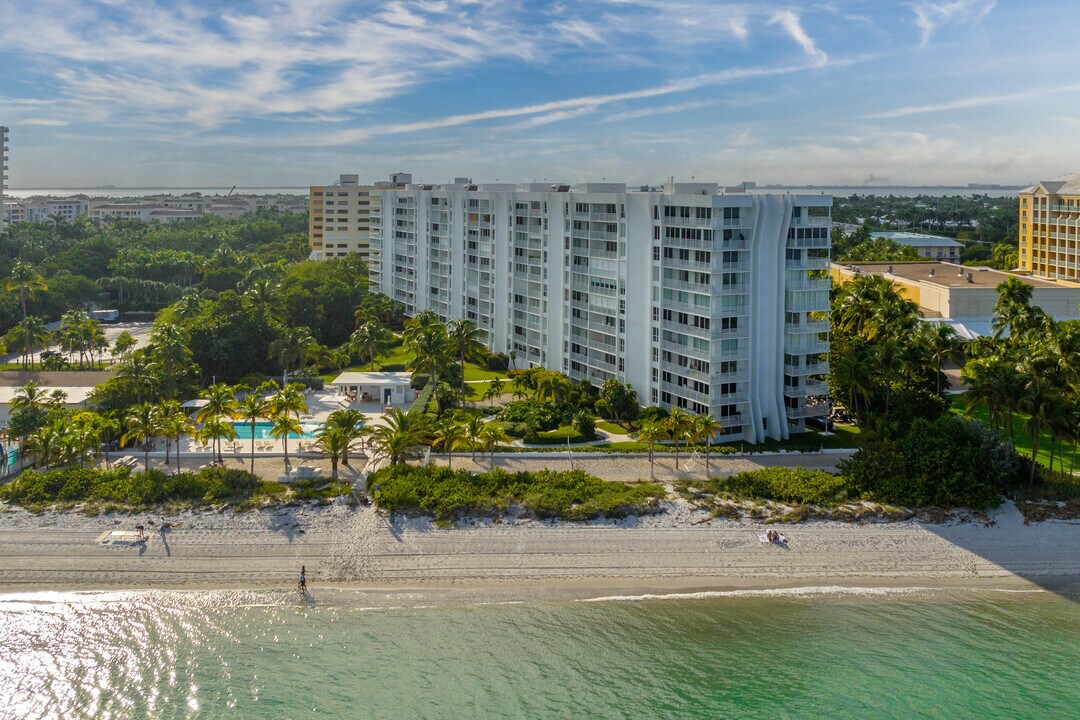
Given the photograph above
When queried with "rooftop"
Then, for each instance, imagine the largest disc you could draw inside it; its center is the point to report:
(945, 274)
(917, 239)
(373, 378)
(1064, 185)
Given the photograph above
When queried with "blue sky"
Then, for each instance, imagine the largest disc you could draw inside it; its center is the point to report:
(292, 92)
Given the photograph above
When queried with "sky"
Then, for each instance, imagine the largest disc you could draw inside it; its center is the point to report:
(294, 92)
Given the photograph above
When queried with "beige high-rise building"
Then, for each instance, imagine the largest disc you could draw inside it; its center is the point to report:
(339, 219)
(1050, 228)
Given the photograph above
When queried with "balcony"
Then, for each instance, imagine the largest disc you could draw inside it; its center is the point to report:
(809, 327)
(730, 421)
(811, 221)
(821, 368)
(809, 284)
(808, 263)
(688, 265)
(684, 350)
(808, 411)
(685, 391)
(815, 347)
(807, 389)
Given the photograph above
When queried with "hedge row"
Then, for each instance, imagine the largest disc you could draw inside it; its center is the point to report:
(449, 494)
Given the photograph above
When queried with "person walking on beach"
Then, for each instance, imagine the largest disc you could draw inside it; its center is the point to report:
(303, 579)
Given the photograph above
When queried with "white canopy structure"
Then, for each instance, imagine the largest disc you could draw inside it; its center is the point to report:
(386, 388)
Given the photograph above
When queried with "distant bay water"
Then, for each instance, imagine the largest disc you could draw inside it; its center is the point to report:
(828, 653)
(934, 191)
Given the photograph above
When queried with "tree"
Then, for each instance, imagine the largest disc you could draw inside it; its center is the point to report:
(290, 349)
(491, 435)
(283, 425)
(289, 399)
(431, 350)
(704, 427)
(351, 425)
(1038, 401)
(449, 436)
(943, 344)
(141, 424)
(333, 441)
(25, 280)
(250, 409)
(466, 341)
(369, 340)
(220, 403)
(1012, 309)
(125, 342)
(677, 424)
(649, 431)
(400, 434)
(215, 429)
(520, 383)
(473, 428)
(31, 334)
(494, 390)
(172, 424)
(618, 401)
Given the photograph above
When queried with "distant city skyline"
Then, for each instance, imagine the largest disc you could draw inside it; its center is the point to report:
(294, 92)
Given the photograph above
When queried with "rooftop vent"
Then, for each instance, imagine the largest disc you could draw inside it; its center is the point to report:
(960, 271)
(889, 270)
(971, 277)
(933, 272)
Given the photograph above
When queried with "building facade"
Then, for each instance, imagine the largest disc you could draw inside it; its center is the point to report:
(1049, 221)
(707, 301)
(933, 247)
(3, 174)
(339, 220)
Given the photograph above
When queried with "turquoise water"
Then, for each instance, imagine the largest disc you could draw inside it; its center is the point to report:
(924, 654)
(262, 431)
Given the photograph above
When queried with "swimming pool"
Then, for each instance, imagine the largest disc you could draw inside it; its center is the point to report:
(262, 430)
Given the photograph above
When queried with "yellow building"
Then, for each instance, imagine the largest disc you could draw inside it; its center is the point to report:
(339, 218)
(1049, 221)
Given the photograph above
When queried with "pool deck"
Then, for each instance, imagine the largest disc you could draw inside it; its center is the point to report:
(320, 405)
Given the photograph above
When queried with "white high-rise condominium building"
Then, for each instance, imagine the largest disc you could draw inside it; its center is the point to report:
(3, 172)
(708, 301)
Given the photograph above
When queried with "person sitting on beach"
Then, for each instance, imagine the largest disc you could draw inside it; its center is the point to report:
(772, 536)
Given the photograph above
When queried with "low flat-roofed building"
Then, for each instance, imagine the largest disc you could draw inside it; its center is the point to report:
(964, 296)
(388, 388)
(927, 246)
(76, 397)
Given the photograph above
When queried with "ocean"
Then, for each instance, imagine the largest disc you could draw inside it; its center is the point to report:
(825, 653)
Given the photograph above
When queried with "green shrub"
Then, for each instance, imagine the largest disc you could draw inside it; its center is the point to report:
(789, 485)
(497, 362)
(449, 494)
(392, 367)
(947, 462)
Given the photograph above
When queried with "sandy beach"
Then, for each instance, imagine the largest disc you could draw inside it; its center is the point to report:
(681, 550)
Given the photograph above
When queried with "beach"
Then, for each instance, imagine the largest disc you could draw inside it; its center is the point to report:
(680, 550)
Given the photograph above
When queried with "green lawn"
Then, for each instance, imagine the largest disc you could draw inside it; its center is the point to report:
(611, 427)
(475, 372)
(844, 436)
(1021, 437)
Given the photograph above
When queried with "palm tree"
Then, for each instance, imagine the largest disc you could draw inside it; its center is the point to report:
(473, 427)
(490, 436)
(333, 441)
(33, 334)
(351, 425)
(400, 434)
(705, 427)
(250, 408)
(141, 424)
(430, 349)
(677, 424)
(169, 353)
(520, 383)
(284, 424)
(1038, 401)
(369, 340)
(136, 369)
(173, 424)
(449, 436)
(649, 431)
(417, 325)
(553, 386)
(466, 342)
(1013, 296)
(29, 395)
(289, 399)
(25, 280)
(944, 345)
(494, 390)
(216, 429)
(220, 403)
(290, 348)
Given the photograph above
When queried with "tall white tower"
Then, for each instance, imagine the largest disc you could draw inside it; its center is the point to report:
(3, 172)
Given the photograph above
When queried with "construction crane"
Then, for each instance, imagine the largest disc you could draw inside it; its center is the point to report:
(231, 191)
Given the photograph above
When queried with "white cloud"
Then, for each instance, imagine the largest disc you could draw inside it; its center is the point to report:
(930, 16)
(742, 139)
(658, 110)
(968, 102)
(791, 24)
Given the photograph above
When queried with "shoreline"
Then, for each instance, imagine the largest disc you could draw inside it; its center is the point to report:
(357, 552)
